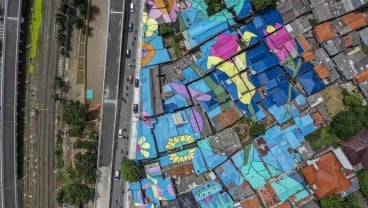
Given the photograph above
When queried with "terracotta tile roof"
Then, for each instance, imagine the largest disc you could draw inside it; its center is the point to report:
(252, 201)
(317, 118)
(284, 205)
(355, 20)
(182, 170)
(324, 32)
(268, 195)
(328, 177)
(362, 76)
(303, 42)
(308, 56)
(322, 71)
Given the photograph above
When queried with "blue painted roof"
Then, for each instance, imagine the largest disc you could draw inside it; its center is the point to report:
(310, 82)
(211, 158)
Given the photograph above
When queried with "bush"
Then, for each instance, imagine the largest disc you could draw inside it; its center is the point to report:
(88, 145)
(74, 113)
(365, 49)
(166, 29)
(353, 100)
(75, 194)
(332, 201)
(352, 201)
(313, 22)
(75, 131)
(86, 166)
(130, 171)
(257, 129)
(263, 4)
(363, 182)
(214, 6)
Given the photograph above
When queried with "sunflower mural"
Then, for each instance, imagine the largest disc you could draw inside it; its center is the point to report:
(179, 141)
(143, 147)
(182, 156)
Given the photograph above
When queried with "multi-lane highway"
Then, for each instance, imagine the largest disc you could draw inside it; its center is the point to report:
(9, 78)
(126, 97)
(46, 68)
(117, 100)
(110, 102)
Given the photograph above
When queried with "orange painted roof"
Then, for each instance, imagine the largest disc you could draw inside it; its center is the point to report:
(355, 20)
(362, 76)
(328, 178)
(324, 32)
(322, 71)
(252, 201)
(303, 42)
(308, 56)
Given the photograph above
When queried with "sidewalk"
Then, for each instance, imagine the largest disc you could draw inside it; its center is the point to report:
(96, 50)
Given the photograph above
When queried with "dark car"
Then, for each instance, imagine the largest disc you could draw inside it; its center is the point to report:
(130, 27)
(135, 108)
(130, 79)
(136, 83)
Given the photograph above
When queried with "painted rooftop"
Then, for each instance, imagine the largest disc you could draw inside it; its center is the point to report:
(254, 71)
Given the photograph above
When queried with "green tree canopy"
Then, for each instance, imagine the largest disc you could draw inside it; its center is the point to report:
(74, 113)
(130, 171)
(263, 4)
(166, 29)
(257, 129)
(214, 6)
(363, 182)
(85, 166)
(75, 131)
(352, 201)
(332, 201)
(75, 194)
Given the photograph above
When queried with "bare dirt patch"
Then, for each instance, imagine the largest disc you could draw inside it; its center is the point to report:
(333, 98)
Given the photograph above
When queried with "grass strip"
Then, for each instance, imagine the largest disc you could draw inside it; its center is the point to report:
(35, 31)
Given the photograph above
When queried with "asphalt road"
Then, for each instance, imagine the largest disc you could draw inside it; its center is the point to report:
(125, 98)
(110, 94)
(11, 189)
(46, 68)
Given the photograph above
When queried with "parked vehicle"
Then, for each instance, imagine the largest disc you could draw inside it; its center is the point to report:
(117, 175)
(120, 133)
(135, 108)
(130, 79)
(131, 7)
(128, 53)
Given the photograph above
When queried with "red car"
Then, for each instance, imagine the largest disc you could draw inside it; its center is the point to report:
(130, 79)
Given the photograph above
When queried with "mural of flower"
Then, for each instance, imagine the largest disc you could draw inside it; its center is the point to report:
(143, 146)
(148, 52)
(166, 9)
(225, 46)
(280, 42)
(150, 26)
(179, 141)
(182, 156)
